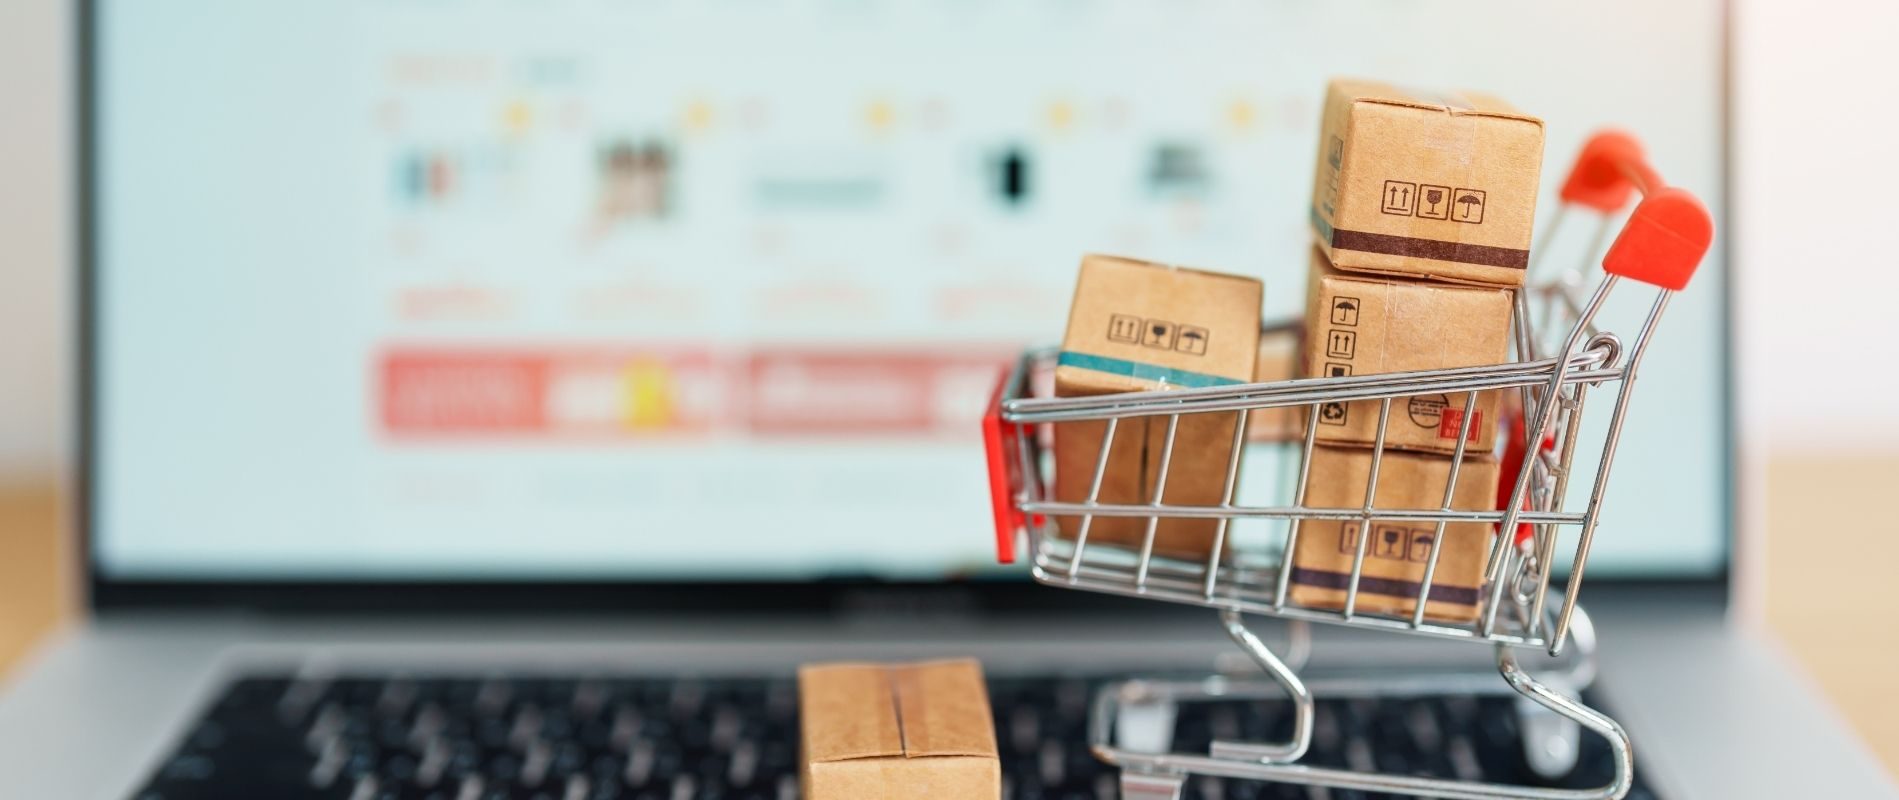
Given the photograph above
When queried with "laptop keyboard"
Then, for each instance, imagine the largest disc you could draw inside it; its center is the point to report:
(651, 738)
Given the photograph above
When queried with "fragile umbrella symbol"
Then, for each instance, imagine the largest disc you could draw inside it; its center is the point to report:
(1433, 196)
(1467, 201)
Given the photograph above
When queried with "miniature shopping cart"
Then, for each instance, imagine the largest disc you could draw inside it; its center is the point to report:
(1561, 358)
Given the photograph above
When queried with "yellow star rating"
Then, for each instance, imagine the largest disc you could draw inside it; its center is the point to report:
(648, 395)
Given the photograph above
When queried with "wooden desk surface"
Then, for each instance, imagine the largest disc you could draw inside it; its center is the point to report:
(1830, 584)
(33, 580)
(1830, 604)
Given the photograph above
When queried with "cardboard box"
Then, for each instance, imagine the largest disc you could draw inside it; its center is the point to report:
(1279, 360)
(1368, 324)
(1123, 481)
(1396, 556)
(1431, 185)
(1138, 326)
(897, 732)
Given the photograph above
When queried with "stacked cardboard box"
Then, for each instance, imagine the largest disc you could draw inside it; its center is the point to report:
(1371, 324)
(1436, 186)
(1422, 208)
(1397, 553)
(1138, 326)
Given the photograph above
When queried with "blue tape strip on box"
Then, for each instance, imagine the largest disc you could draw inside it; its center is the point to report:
(1137, 370)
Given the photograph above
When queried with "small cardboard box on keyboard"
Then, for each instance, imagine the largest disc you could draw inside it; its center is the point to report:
(897, 732)
(1399, 552)
(1436, 185)
(1139, 326)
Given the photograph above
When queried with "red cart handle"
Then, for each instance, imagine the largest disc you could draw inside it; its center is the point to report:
(1669, 231)
(1664, 240)
(1662, 243)
(1610, 168)
(1000, 443)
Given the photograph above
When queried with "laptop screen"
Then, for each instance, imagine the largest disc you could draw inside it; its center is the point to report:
(591, 290)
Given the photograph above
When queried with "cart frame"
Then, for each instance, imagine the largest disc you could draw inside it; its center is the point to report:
(1662, 242)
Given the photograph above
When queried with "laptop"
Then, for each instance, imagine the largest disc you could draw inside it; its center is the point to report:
(492, 400)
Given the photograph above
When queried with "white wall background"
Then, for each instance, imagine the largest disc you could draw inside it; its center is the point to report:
(1816, 210)
(34, 236)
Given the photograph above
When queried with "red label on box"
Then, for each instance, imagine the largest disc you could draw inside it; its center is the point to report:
(1453, 418)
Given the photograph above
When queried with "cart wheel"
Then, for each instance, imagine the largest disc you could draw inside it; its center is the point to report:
(1139, 786)
(1552, 743)
(1566, 712)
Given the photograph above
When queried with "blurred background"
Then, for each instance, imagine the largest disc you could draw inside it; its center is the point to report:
(452, 209)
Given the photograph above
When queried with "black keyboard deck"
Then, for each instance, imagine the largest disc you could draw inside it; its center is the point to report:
(640, 738)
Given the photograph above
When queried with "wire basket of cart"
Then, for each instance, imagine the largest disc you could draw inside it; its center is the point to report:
(1565, 365)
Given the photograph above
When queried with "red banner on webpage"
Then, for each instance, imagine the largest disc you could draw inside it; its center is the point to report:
(452, 393)
(469, 393)
(799, 392)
